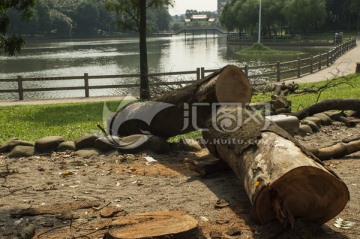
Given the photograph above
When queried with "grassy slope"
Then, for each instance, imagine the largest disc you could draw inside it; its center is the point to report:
(30, 122)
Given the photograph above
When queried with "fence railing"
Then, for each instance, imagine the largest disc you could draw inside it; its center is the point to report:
(258, 74)
(238, 39)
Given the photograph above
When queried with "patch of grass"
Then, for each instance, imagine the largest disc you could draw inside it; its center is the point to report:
(192, 135)
(31, 122)
(349, 88)
(261, 49)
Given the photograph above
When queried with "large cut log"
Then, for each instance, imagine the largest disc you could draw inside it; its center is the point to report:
(183, 110)
(282, 179)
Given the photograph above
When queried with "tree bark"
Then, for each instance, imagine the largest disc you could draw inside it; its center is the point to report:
(144, 80)
(185, 109)
(335, 104)
(282, 179)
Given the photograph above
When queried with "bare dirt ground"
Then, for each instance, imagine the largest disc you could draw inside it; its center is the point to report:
(64, 195)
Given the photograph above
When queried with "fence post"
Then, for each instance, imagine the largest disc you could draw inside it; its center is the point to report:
(319, 66)
(331, 52)
(247, 70)
(278, 75)
(86, 83)
(198, 73)
(299, 68)
(327, 59)
(311, 64)
(202, 72)
(20, 88)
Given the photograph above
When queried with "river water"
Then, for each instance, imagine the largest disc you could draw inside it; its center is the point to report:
(50, 58)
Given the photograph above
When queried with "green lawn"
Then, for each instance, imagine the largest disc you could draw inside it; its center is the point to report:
(349, 87)
(30, 122)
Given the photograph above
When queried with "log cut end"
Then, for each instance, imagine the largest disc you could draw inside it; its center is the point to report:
(232, 86)
(304, 192)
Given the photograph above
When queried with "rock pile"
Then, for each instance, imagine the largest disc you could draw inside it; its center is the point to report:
(91, 145)
(312, 124)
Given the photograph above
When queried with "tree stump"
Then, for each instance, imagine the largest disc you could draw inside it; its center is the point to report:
(282, 179)
(152, 225)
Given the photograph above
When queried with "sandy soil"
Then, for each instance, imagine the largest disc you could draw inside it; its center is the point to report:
(59, 184)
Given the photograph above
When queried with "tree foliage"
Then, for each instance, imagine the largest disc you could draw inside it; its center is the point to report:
(78, 18)
(10, 44)
(311, 16)
(158, 18)
(303, 16)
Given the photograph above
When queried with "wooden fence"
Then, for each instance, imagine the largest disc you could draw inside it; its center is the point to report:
(277, 71)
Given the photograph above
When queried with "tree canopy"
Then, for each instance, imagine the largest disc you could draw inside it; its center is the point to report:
(10, 44)
(296, 16)
(78, 18)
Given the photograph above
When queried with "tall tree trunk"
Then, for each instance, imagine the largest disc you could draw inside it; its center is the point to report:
(144, 80)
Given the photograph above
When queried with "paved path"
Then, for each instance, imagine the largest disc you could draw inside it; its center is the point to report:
(344, 65)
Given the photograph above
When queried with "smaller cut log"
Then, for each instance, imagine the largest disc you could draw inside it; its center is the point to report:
(341, 117)
(337, 150)
(152, 225)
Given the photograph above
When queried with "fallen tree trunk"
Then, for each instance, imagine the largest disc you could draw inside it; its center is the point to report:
(282, 179)
(335, 104)
(185, 109)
